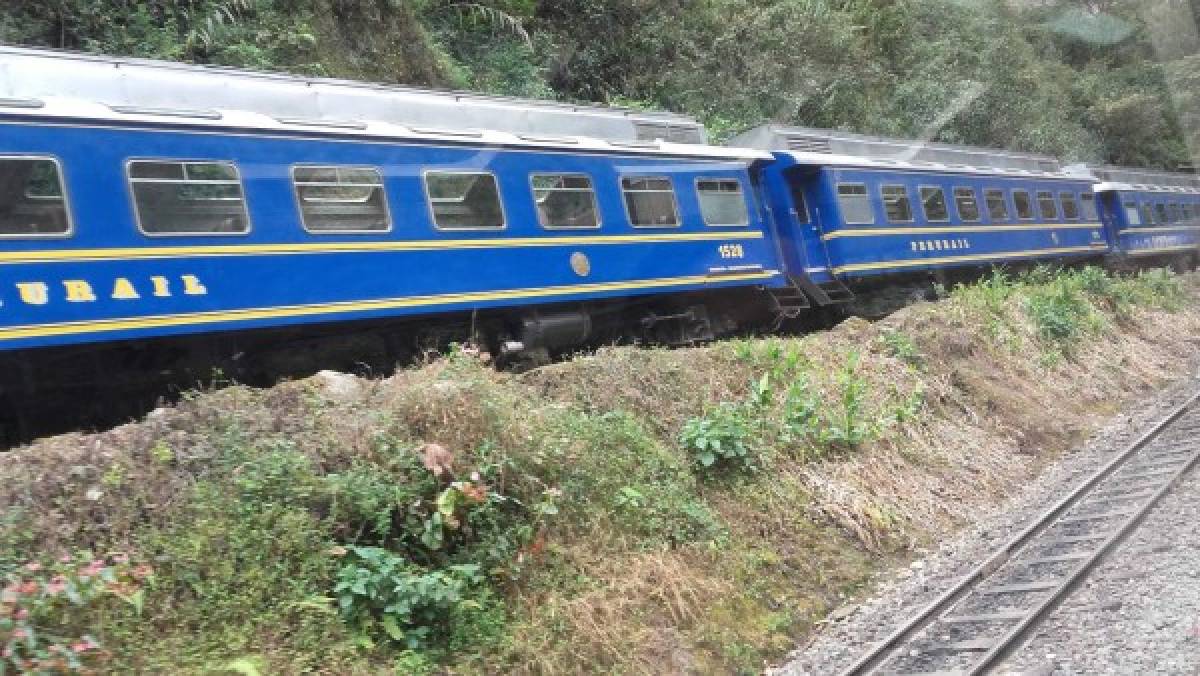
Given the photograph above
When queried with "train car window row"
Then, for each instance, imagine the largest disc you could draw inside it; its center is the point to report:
(967, 204)
(32, 202)
(173, 197)
(1070, 208)
(997, 206)
(650, 202)
(896, 204)
(1024, 205)
(722, 202)
(1046, 205)
(1088, 206)
(341, 199)
(464, 200)
(933, 202)
(855, 204)
(565, 201)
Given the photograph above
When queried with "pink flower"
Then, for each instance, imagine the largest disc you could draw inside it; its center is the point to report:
(56, 585)
(33, 566)
(19, 632)
(7, 652)
(65, 558)
(28, 587)
(22, 613)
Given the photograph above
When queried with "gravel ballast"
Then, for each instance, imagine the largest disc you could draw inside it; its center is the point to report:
(1139, 614)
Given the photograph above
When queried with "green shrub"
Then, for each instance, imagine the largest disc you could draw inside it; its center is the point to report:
(720, 440)
(382, 594)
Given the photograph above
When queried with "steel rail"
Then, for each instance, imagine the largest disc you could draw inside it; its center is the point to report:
(885, 649)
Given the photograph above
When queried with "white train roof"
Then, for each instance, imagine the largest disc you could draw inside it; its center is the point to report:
(1112, 178)
(51, 83)
(838, 148)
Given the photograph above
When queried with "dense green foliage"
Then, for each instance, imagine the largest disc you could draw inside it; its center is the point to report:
(1102, 80)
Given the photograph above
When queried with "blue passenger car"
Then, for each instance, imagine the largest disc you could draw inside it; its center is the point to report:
(854, 210)
(141, 200)
(1150, 216)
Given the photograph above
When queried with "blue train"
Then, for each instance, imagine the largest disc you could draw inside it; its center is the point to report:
(169, 216)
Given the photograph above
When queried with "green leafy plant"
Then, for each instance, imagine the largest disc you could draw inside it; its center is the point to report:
(719, 440)
(382, 593)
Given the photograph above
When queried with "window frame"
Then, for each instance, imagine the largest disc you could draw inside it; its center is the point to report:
(925, 210)
(912, 216)
(1174, 212)
(837, 189)
(974, 198)
(574, 174)
(1132, 204)
(1063, 197)
(1032, 212)
(1160, 213)
(741, 192)
(387, 207)
(1041, 205)
(137, 215)
(1008, 213)
(463, 172)
(62, 186)
(625, 203)
(1089, 198)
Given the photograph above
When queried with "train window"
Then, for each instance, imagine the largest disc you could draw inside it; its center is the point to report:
(1024, 205)
(464, 200)
(565, 201)
(933, 200)
(1069, 206)
(31, 198)
(1176, 214)
(722, 202)
(650, 202)
(1046, 205)
(800, 203)
(1132, 216)
(1189, 211)
(1087, 205)
(855, 204)
(967, 204)
(996, 205)
(188, 198)
(896, 204)
(1147, 214)
(1160, 213)
(341, 199)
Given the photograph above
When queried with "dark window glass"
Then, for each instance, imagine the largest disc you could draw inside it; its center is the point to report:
(188, 198)
(933, 201)
(1147, 213)
(722, 202)
(1046, 205)
(997, 206)
(855, 204)
(565, 201)
(341, 199)
(896, 204)
(800, 202)
(1176, 214)
(650, 202)
(31, 198)
(1088, 205)
(1069, 206)
(967, 204)
(1024, 205)
(1160, 213)
(464, 200)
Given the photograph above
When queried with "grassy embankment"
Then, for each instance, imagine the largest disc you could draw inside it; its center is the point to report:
(634, 510)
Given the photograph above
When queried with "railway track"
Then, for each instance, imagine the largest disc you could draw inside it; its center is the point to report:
(987, 614)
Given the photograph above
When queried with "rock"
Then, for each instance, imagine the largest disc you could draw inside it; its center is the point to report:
(341, 387)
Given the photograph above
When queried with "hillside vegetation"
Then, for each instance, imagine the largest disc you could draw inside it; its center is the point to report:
(1101, 80)
(632, 510)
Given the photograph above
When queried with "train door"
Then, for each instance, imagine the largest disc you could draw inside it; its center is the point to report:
(804, 190)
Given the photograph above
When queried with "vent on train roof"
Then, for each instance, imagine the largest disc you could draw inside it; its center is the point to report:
(809, 144)
(665, 131)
